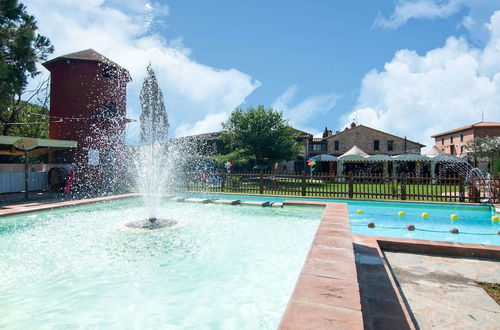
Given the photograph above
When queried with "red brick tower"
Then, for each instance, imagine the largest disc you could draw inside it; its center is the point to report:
(88, 105)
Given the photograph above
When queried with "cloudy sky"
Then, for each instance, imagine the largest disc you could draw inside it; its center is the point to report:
(409, 67)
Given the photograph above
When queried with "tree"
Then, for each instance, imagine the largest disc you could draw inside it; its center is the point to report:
(263, 134)
(154, 120)
(484, 147)
(20, 49)
(33, 121)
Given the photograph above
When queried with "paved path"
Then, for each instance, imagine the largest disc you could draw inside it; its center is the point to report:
(442, 293)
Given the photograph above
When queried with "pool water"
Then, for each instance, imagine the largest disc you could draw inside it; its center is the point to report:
(227, 268)
(474, 221)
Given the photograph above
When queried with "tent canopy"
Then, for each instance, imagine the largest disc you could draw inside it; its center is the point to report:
(434, 151)
(15, 145)
(325, 158)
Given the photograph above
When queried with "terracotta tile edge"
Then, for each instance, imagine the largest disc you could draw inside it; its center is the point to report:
(342, 215)
(20, 209)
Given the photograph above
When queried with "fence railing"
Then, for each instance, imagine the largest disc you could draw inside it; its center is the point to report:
(401, 187)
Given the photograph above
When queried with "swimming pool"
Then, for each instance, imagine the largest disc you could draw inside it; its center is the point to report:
(226, 268)
(474, 221)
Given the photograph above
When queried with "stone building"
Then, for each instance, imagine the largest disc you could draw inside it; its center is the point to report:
(371, 141)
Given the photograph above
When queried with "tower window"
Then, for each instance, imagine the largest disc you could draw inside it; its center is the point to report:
(109, 72)
(109, 109)
(336, 145)
(376, 145)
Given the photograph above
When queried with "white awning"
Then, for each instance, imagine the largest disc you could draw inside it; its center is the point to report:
(448, 158)
(354, 154)
(434, 151)
(380, 158)
(412, 158)
(9, 145)
(325, 158)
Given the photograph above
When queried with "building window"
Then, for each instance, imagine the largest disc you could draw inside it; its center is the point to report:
(376, 144)
(319, 147)
(336, 145)
(451, 139)
(390, 145)
(442, 141)
(461, 149)
(461, 138)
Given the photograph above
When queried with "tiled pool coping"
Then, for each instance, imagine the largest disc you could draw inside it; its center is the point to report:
(346, 281)
(326, 295)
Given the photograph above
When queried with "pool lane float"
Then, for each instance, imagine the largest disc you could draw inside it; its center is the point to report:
(454, 217)
(495, 218)
(425, 215)
(401, 214)
(360, 211)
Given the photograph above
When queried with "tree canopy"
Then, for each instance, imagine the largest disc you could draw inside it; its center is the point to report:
(154, 120)
(35, 119)
(261, 134)
(20, 49)
(484, 147)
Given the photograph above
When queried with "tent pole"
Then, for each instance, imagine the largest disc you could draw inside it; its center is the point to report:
(26, 177)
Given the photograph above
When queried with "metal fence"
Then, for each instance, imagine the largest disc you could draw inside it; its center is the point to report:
(402, 187)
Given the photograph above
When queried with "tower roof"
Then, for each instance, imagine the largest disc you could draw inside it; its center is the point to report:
(89, 55)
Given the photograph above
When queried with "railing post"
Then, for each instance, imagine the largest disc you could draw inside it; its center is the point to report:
(223, 182)
(303, 183)
(403, 186)
(351, 185)
(461, 190)
(261, 182)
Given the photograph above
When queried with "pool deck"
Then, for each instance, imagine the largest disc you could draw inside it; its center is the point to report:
(346, 281)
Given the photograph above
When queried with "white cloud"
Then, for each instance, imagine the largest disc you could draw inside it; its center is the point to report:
(420, 95)
(210, 123)
(407, 9)
(119, 31)
(477, 12)
(300, 114)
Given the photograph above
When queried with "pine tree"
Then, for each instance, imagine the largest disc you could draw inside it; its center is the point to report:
(21, 48)
(154, 120)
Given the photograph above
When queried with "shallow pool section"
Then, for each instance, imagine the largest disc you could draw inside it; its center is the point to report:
(228, 267)
(474, 222)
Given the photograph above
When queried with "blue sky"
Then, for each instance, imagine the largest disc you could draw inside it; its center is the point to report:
(318, 46)
(409, 67)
